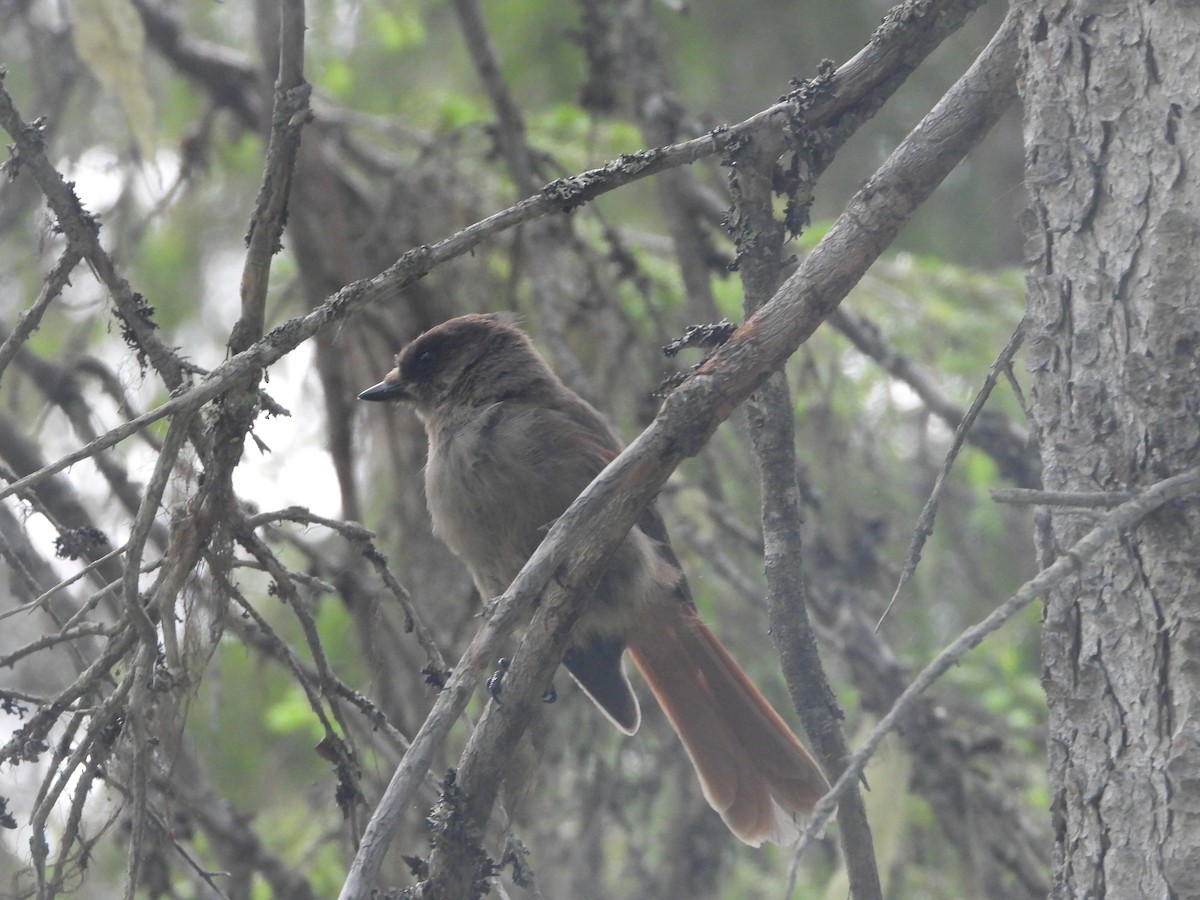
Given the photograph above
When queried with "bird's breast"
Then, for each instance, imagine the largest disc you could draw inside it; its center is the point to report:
(496, 483)
(486, 498)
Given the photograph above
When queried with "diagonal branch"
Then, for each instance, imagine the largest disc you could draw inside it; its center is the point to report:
(924, 527)
(896, 47)
(27, 323)
(760, 241)
(579, 542)
(82, 231)
(1111, 527)
(1003, 440)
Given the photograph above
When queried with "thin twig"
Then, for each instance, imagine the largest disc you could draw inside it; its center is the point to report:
(51, 640)
(351, 531)
(340, 745)
(413, 620)
(52, 788)
(363, 538)
(1117, 523)
(104, 591)
(310, 684)
(1004, 441)
(27, 323)
(924, 526)
(140, 711)
(70, 834)
(83, 235)
(147, 512)
(64, 584)
(39, 726)
(256, 633)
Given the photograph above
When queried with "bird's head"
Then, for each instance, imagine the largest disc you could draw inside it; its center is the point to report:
(468, 361)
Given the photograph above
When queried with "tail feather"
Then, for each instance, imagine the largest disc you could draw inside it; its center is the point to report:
(753, 770)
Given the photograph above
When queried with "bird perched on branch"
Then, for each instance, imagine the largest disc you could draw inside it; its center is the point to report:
(510, 447)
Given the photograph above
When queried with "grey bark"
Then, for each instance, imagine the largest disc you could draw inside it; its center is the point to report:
(1112, 134)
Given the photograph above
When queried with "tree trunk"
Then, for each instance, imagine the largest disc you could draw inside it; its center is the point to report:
(1112, 137)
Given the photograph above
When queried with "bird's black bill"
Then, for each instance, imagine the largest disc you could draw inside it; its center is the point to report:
(383, 391)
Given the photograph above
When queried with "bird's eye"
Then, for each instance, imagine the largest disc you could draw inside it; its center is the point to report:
(422, 361)
(425, 360)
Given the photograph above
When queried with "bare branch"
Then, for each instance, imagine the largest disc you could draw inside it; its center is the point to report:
(1114, 525)
(1067, 499)
(1004, 441)
(288, 117)
(83, 234)
(579, 542)
(924, 526)
(773, 434)
(27, 323)
(147, 513)
(50, 640)
(876, 64)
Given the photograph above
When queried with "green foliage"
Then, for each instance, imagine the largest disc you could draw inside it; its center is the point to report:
(226, 707)
(168, 271)
(356, 48)
(455, 111)
(727, 292)
(292, 714)
(1002, 675)
(241, 154)
(178, 106)
(397, 28)
(578, 141)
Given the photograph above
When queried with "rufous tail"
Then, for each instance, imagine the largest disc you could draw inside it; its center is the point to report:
(753, 770)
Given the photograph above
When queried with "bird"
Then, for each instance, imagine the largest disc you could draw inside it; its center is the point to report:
(510, 447)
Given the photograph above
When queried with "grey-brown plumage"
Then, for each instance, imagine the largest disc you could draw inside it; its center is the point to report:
(510, 447)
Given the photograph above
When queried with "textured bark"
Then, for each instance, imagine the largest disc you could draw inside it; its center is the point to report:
(1112, 135)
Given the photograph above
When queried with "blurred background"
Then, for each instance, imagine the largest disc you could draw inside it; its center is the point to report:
(157, 113)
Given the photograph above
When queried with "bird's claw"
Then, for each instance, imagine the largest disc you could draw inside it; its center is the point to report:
(495, 683)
